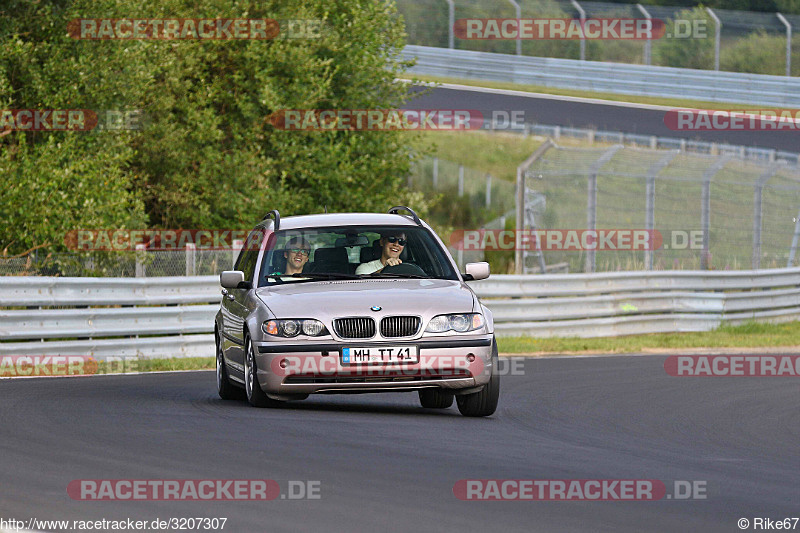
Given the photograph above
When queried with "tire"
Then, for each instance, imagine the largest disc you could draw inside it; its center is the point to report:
(435, 398)
(225, 389)
(255, 396)
(483, 403)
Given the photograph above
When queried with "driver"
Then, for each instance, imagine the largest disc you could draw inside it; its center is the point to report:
(296, 255)
(392, 245)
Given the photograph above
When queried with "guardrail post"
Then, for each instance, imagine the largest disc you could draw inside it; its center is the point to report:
(788, 43)
(648, 42)
(460, 181)
(236, 248)
(757, 213)
(451, 21)
(582, 14)
(705, 215)
(435, 172)
(488, 190)
(140, 254)
(520, 214)
(191, 253)
(717, 33)
(591, 202)
(518, 12)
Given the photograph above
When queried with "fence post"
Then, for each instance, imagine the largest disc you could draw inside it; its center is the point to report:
(460, 180)
(520, 208)
(236, 248)
(191, 250)
(717, 33)
(488, 190)
(140, 253)
(705, 214)
(793, 250)
(451, 21)
(788, 43)
(518, 13)
(582, 14)
(650, 203)
(591, 201)
(435, 172)
(757, 212)
(648, 42)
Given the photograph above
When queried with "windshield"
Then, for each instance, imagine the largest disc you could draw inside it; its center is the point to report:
(353, 252)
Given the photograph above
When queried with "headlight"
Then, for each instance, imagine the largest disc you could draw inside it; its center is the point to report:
(292, 327)
(460, 323)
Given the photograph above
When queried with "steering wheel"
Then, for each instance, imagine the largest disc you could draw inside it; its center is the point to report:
(405, 268)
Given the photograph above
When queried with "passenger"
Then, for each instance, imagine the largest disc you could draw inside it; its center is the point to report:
(392, 245)
(296, 254)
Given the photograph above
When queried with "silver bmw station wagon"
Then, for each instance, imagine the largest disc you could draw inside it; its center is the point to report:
(354, 303)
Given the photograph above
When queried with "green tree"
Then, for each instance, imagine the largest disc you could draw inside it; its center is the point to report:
(692, 52)
(206, 156)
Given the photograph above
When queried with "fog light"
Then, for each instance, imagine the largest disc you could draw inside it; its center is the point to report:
(283, 363)
(471, 358)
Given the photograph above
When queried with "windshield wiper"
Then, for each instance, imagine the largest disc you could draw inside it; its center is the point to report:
(409, 276)
(323, 275)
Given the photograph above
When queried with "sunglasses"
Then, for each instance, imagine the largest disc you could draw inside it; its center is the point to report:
(398, 240)
(300, 251)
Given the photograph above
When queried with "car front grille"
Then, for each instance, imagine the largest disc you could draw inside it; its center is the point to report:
(361, 327)
(399, 326)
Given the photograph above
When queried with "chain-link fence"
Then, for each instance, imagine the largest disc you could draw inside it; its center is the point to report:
(701, 211)
(741, 41)
(153, 263)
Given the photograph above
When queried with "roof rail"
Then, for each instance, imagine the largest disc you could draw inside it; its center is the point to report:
(275, 216)
(394, 211)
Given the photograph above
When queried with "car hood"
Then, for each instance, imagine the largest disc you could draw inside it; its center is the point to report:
(329, 299)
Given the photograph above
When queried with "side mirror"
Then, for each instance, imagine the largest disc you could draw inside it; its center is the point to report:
(233, 279)
(476, 271)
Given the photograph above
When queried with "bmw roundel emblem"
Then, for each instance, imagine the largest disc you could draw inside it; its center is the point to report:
(376, 308)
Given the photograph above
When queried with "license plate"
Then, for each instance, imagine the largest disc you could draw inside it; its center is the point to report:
(378, 355)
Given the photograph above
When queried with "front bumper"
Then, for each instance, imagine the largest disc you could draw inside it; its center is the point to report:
(292, 368)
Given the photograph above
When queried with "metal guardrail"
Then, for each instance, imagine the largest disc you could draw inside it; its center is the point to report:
(620, 78)
(158, 319)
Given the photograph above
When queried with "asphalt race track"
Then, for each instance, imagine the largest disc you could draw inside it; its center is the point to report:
(386, 464)
(610, 117)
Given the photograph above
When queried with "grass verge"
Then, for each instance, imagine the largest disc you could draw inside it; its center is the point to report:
(751, 335)
(613, 97)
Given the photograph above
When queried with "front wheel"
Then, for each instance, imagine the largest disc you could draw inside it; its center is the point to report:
(255, 396)
(225, 389)
(483, 403)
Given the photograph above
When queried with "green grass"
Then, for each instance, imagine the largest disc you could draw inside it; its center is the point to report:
(143, 364)
(650, 100)
(751, 335)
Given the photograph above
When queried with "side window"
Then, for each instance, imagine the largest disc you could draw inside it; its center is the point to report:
(249, 255)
